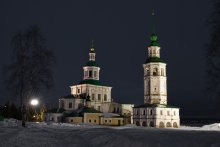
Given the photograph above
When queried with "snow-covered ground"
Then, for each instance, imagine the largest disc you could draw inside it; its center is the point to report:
(68, 135)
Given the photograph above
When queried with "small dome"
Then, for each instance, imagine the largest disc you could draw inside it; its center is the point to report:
(153, 41)
(153, 37)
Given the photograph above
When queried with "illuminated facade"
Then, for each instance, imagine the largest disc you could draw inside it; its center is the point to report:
(155, 112)
(90, 92)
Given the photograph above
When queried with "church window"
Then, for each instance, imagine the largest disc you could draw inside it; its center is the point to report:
(151, 112)
(105, 97)
(90, 73)
(105, 121)
(110, 121)
(99, 108)
(161, 112)
(95, 121)
(78, 90)
(162, 72)
(168, 113)
(174, 113)
(62, 104)
(93, 96)
(155, 72)
(137, 112)
(71, 120)
(99, 97)
(95, 73)
(70, 105)
(114, 110)
(154, 52)
(117, 110)
(90, 120)
(144, 112)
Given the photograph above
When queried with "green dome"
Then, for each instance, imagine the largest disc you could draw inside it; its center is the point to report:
(153, 39)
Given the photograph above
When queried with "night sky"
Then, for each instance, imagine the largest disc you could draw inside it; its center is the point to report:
(121, 30)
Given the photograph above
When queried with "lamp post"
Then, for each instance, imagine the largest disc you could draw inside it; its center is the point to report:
(34, 103)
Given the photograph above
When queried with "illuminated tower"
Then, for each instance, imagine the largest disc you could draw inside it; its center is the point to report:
(155, 80)
(91, 70)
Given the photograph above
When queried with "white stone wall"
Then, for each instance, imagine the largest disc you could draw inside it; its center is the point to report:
(155, 85)
(153, 114)
(111, 107)
(93, 90)
(76, 102)
(53, 117)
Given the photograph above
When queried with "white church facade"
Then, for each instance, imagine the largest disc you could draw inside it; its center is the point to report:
(155, 112)
(91, 93)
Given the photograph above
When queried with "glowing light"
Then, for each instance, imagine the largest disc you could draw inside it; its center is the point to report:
(34, 102)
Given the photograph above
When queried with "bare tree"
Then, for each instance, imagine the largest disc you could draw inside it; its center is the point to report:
(213, 57)
(31, 71)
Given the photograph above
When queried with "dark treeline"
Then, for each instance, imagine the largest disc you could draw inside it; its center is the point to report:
(10, 110)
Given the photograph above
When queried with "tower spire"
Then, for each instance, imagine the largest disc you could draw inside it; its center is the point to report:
(92, 48)
(92, 52)
(153, 21)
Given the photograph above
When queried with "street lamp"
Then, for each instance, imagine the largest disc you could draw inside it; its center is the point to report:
(34, 102)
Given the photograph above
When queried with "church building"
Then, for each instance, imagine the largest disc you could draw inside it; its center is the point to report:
(155, 112)
(94, 97)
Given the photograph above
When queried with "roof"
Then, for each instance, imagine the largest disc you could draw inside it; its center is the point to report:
(154, 105)
(80, 112)
(154, 59)
(91, 81)
(73, 96)
(153, 39)
(91, 63)
(110, 115)
(55, 110)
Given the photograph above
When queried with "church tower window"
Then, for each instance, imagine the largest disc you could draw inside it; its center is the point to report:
(155, 72)
(151, 112)
(99, 97)
(144, 112)
(105, 97)
(95, 74)
(162, 72)
(70, 105)
(93, 96)
(90, 73)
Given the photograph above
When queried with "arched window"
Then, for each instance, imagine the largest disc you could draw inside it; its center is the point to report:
(144, 124)
(137, 112)
(155, 72)
(168, 113)
(161, 112)
(151, 112)
(151, 124)
(144, 112)
(168, 124)
(161, 125)
(137, 123)
(175, 125)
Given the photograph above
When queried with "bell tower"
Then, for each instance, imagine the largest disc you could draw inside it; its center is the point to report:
(91, 70)
(155, 80)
